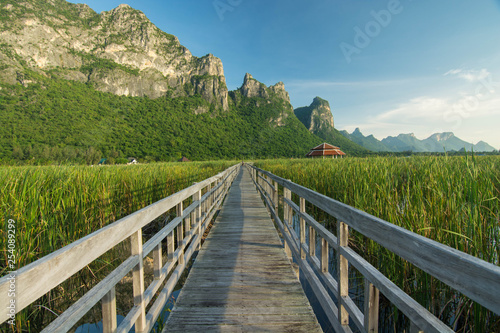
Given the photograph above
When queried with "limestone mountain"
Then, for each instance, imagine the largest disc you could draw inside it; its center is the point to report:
(437, 142)
(369, 142)
(318, 119)
(76, 86)
(252, 88)
(119, 51)
(404, 142)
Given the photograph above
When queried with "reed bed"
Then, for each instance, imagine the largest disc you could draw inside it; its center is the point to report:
(56, 205)
(453, 200)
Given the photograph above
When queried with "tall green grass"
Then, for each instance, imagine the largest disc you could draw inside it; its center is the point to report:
(453, 200)
(54, 206)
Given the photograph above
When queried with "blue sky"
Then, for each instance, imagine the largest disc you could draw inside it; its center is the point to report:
(387, 67)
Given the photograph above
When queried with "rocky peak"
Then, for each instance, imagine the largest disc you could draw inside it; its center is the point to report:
(119, 51)
(253, 88)
(279, 90)
(317, 116)
(210, 65)
(442, 136)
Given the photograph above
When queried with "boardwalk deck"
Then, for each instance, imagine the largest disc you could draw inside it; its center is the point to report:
(242, 280)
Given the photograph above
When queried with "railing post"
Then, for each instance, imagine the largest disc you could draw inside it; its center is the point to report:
(302, 228)
(269, 190)
(109, 323)
(208, 201)
(343, 271)
(371, 307)
(275, 196)
(197, 216)
(157, 261)
(138, 280)
(324, 255)
(180, 232)
(287, 215)
(170, 246)
(312, 241)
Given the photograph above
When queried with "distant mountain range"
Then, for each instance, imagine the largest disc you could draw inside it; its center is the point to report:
(438, 142)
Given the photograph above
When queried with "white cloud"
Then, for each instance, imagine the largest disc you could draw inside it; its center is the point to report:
(420, 108)
(469, 75)
(472, 118)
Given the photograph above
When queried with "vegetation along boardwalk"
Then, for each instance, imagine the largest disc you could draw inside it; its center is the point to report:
(242, 279)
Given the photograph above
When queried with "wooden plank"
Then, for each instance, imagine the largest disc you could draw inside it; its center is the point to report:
(287, 327)
(242, 277)
(302, 228)
(138, 280)
(343, 271)
(109, 312)
(371, 307)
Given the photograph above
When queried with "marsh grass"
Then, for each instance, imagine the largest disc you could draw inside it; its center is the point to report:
(453, 200)
(54, 206)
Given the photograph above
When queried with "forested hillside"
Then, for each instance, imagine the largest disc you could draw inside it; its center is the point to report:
(56, 120)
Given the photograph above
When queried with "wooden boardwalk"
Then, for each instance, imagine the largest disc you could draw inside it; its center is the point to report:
(242, 280)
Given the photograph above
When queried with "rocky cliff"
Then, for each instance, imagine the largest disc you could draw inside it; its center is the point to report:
(119, 51)
(317, 116)
(276, 94)
(318, 119)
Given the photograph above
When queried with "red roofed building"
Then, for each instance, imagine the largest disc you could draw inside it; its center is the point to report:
(325, 150)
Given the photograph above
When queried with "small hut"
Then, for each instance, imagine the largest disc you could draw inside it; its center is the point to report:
(325, 150)
(183, 159)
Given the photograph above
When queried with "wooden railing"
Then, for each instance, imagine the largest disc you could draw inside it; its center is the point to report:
(469, 275)
(41, 276)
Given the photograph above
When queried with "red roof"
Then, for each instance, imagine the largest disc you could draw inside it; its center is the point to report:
(325, 149)
(324, 146)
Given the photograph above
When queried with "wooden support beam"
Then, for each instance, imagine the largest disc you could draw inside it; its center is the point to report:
(180, 231)
(312, 241)
(157, 261)
(287, 218)
(108, 304)
(138, 280)
(324, 256)
(197, 216)
(371, 307)
(275, 196)
(343, 271)
(302, 228)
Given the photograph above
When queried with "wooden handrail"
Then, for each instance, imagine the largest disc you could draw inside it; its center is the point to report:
(475, 278)
(38, 278)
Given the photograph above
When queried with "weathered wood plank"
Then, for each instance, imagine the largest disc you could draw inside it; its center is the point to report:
(242, 279)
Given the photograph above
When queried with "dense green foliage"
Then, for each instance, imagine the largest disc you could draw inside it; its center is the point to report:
(55, 121)
(54, 206)
(453, 200)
